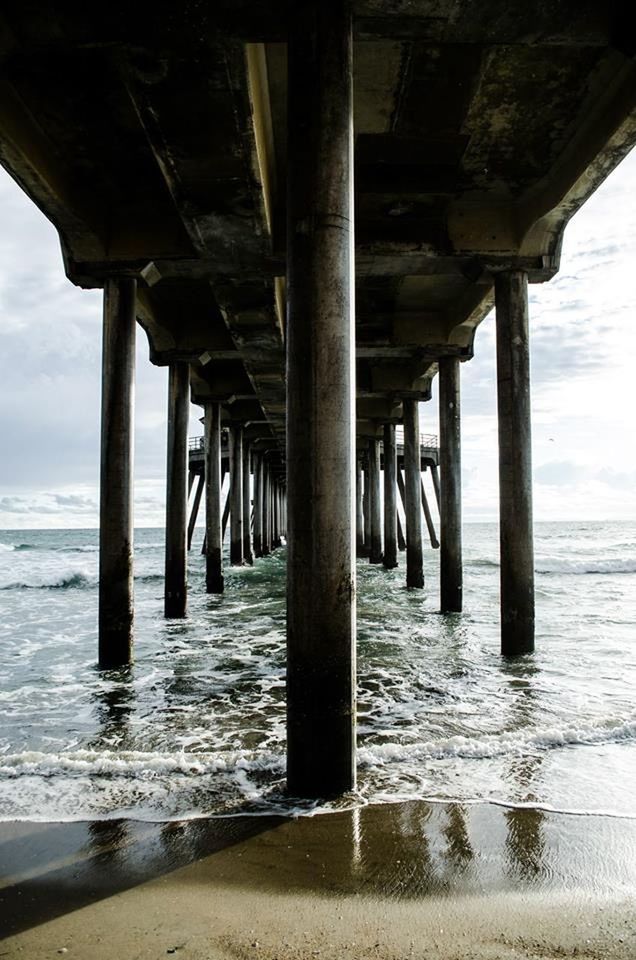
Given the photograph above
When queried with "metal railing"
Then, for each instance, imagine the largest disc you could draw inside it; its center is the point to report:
(426, 439)
(429, 440)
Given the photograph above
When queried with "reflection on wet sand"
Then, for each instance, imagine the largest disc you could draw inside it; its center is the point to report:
(400, 852)
(525, 845)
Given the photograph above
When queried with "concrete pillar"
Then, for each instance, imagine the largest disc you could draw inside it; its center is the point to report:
(435, 478)
(320, 403)
(236, 495)
(413, 508)
(401, 537)
(257, 461)
(248, 556)
(366, 507)
(267, 539)
(275, 516)
(375, 551)
(213, 483)
(430, 526)
(515, 463)
(116, 481)
(450, 561)
(390, 497)
(361, 550)
(176, 588)
(194, 513)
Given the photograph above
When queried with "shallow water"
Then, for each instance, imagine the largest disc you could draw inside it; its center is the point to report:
(197, 726)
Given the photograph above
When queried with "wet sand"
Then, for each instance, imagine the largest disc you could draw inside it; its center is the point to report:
(409, 880)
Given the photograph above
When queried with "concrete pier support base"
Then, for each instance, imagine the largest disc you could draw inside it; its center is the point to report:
(258, 504)
(375, 551)
(390, 498)
(248, 556)
(320, 403)
(214, 540)
(366, 507)
(361, 550)
(450, 573)
(116, 482)
(236, 495)
(176, 589)
(267, 527)
(412, 487)
(515, 463)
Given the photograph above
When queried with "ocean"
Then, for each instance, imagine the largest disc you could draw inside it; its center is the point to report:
(196, 727)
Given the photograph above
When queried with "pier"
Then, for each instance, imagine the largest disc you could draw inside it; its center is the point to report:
(309, 209)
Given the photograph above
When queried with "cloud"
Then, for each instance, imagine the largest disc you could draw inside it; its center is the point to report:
(617, 479)
(560, 473)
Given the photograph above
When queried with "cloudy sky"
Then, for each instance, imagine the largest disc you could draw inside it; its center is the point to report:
(583, 333)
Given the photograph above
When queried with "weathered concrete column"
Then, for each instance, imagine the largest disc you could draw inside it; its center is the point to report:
(248, 556)
(176, 587)
(412, 505)
(430, 526)
(276, 542)
(361, 550)
(450, 561)
(366, 507)
(194, 513)
(116, 480)
(390, 497)
(257, 461)
(213, 481)
(375, 551)
(236, 495)
(320, 403)
(515, 463)
(267, 532)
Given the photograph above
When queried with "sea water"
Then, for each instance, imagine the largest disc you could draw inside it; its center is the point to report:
(196, 727)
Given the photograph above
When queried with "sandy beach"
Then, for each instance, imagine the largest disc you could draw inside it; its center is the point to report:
(412, 880)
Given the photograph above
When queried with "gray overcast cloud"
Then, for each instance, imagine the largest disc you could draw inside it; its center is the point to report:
(583, 361)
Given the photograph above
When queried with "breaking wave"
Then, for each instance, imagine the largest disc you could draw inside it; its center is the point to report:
(63, 580)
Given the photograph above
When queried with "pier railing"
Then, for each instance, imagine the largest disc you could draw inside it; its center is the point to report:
(428, 440)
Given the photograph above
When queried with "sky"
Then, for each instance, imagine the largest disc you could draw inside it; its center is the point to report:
(583, 368)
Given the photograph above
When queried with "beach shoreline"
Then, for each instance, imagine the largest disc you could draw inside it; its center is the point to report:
(388, 881)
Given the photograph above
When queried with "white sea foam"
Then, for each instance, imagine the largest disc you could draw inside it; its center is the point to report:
(36, 579)
(587, 565)
(518, 742)
(133, 764)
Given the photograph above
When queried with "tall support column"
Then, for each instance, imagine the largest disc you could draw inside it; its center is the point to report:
(430, 526)
(413, 508)
(366, 507)
(267, 536)
(515, 463)
(213, 483)
(450, 561)
(275, 516)
(116, 481)
(390, 497)
(361, 550)
(176, 588)
(258, 504)
(320, 403)
(375, 552)
(194, 513)
(248, 556)
(236, 496)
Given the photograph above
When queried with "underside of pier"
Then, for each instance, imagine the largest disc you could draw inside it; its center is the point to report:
(313, 206)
